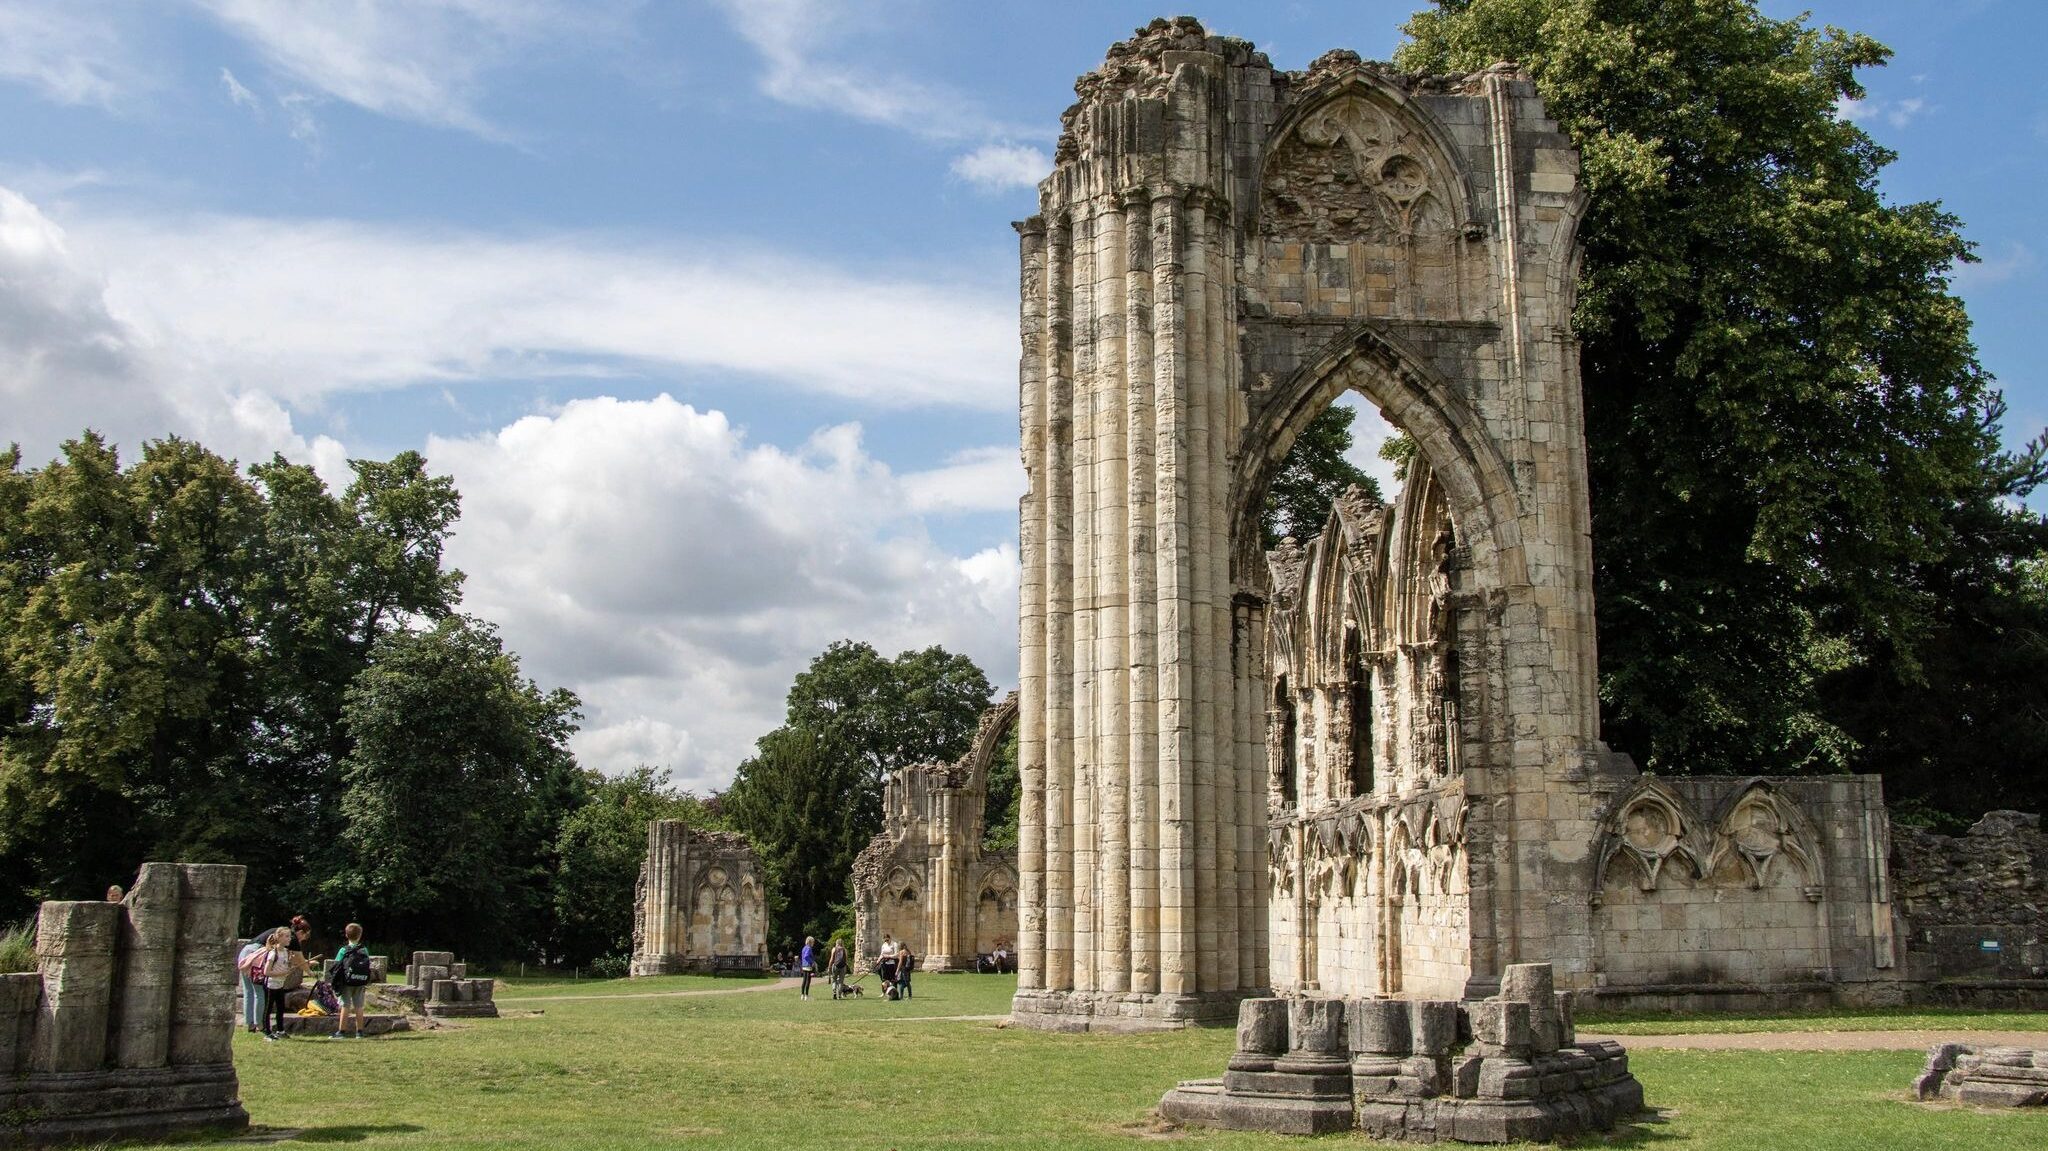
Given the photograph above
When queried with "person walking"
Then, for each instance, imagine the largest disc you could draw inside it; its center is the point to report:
(278, 969)
(906, 962)
(808, 963)
(351, 981)
(836, 968)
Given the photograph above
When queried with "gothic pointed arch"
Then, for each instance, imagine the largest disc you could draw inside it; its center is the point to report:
(1762, 831)
(1647, 829)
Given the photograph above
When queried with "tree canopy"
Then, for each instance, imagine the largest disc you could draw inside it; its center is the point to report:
(1804, 523)
(1311, 478)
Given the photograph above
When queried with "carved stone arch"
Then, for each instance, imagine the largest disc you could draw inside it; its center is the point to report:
(1363, 521)
(1358, 90)
(989, 735)
(1329, 584)
(1647, 827)
(1759, 826)
(1566, 257)
(1416, 585)
(1478, 485)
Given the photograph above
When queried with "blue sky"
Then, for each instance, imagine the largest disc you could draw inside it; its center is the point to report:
(709, 306)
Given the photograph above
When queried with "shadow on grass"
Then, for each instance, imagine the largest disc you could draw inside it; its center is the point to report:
(1645, 1129)
(354, 1134)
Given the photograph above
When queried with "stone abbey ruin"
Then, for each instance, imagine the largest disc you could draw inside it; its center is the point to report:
(126, 1028)
(927, 879)
(1369, 764)
(701, 904)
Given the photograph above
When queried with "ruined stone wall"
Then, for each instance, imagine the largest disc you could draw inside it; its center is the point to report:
(1222, 249)
(926, 878)
(126, 1028)
(1959, 893)
(702, 903)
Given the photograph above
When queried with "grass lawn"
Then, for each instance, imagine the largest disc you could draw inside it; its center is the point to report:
(764, 1070)
(514, 987)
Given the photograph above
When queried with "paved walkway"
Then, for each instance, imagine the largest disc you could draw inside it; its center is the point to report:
(778, 985)
(1824, 1040)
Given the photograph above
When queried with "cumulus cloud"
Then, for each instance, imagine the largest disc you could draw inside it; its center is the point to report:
(68, 362)
(999, 167)
(420, 60)
(988, 479)
(68, 52)
(678, 576)
(305, 308)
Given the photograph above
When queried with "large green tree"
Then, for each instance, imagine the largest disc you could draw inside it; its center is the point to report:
(1803, 519)
(811, 797)
(457, 781)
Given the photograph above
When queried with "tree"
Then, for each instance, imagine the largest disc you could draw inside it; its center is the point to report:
(1312, 476)
(458, 763)
(601, 845)
(811, 797)
(1797, 484)
(999, 812)
(806, 801)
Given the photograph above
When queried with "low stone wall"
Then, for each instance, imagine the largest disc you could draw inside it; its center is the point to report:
(127, 1027)
(1975, 905)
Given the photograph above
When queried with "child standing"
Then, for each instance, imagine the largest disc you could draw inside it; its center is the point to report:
(351, 980)
(278, 967)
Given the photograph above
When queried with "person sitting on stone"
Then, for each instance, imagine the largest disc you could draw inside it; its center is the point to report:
(115, 894)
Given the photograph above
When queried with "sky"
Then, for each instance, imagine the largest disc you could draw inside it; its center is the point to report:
(709, 307)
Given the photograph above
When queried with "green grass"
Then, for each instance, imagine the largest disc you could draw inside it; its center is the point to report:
(18, 947)
(1834, 1019)
(515, 987)
(763, 1070)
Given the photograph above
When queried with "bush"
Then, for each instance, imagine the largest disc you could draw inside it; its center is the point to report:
(610, 967)
(18, 947)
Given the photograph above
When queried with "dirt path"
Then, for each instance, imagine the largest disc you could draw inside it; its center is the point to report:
(778, 985)
(1824, 1040)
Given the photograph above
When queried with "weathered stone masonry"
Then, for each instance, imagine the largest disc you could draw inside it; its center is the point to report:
(926, 879)
(127, 1028)
(701, 904)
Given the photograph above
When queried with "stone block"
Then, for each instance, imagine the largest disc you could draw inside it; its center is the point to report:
(1433, 1026)
(75, 951)
(1380, 1027)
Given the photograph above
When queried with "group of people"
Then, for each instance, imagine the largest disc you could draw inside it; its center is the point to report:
(275, 963)
(894, 965)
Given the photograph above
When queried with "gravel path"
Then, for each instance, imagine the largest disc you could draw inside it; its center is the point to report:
(1824, 1040)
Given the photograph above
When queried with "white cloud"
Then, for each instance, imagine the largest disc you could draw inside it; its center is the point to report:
(999, 167)
(68, 362)
(677, 576)
(307, 308)
(69, 52)
(795, 39)
(989, 479)
(1897, 113)
(2012, 260)
(419, 60)
(238, 94)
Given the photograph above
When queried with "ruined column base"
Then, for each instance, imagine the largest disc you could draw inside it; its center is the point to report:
(1501, 1070)
(1985, 1076)
(1121, 1011)
(42, 1109)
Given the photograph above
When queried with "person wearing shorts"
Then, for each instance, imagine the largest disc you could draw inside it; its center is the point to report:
(353, 996)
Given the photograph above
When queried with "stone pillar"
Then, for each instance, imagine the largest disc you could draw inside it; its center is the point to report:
(149, 947)
(75, 952)
(202, 990)
(1031, 605)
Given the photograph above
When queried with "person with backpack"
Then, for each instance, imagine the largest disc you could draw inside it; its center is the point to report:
(351, 980)
(836, 968)
(277, 967)
(250, 973)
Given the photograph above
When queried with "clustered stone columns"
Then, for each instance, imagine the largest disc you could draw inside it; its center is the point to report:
(1501, 1070)
(1143, 806)
(127, 1026)
(442, 988)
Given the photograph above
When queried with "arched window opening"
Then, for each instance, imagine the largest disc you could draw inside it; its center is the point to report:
(1359, 678)
(1283, 705)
